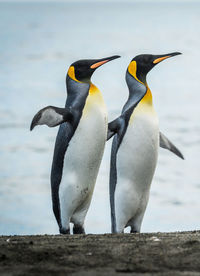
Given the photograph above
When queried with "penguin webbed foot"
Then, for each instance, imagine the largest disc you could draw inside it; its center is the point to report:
(78, 229)
(133, 231)
(51, 116)
(64, 231)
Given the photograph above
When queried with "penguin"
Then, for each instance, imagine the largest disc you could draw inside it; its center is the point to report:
(135, 146)
(79, 144)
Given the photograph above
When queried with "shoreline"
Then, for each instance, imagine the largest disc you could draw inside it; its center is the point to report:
(176, 253)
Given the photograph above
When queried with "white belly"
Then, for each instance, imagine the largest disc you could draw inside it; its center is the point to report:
(136, 163)
(81, 163)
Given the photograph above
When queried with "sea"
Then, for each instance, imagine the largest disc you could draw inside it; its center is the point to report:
(38, 42)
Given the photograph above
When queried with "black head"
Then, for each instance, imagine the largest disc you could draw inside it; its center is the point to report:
(82, 70)
(145, 63)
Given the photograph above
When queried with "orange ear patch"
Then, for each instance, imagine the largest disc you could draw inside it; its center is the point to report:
(160, 59)
(71, 73)
(95, 65)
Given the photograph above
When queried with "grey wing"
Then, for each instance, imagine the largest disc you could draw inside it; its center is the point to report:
(65, 133)
(167, 144)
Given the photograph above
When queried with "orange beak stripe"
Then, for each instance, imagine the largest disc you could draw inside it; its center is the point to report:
(95, 65)
(160, 59)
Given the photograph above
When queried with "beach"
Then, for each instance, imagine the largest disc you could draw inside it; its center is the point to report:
(166, 254)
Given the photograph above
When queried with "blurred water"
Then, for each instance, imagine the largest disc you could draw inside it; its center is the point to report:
(38, 43)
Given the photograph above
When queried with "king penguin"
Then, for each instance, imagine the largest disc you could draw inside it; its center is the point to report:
(135, 146)
(79, 144)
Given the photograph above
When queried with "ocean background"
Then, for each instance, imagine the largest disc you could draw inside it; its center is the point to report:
(38, 42)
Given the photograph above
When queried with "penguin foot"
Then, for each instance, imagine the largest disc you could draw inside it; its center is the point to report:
(78, 229)
(64, 231)
(133, 230)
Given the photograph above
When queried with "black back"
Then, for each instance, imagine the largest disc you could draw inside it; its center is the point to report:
(77, 94)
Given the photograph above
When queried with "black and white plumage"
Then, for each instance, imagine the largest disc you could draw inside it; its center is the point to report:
(79, 144)
(134, 150)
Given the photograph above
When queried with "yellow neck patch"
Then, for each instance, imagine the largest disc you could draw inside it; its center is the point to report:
(132, 69)
(144, 106)
(94, 100)
(147, 99)
(71, 73)
(93, 89)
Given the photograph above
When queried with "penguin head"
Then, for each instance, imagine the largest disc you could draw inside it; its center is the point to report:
(82, 70)
(142, 64)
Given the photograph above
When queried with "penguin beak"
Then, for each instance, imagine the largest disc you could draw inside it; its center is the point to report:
(163, 57)
(102, 61)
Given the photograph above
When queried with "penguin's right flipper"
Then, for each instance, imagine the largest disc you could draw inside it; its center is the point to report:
(51, 116)
(167, 144)
(113, 127)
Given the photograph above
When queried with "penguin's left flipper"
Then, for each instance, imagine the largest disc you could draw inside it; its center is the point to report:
(113, 127)
(167, 144)
(51, 116)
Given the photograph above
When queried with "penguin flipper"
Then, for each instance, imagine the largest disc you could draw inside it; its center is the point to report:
(113, 127)
(167, 144)
(113, 181)
(51, 116)
(65, 133)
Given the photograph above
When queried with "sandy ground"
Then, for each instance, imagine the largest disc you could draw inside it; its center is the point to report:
(123, 254)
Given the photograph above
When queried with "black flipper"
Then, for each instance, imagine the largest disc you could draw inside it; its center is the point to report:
(167, 144)
(113, 181)
(51, 116)
(63, 138)
(119, 129)
(65, 133)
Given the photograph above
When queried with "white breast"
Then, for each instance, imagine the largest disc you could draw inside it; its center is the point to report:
(82, 160)
(136, 163)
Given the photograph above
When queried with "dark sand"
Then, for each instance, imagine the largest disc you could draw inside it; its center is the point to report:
(123, 254)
